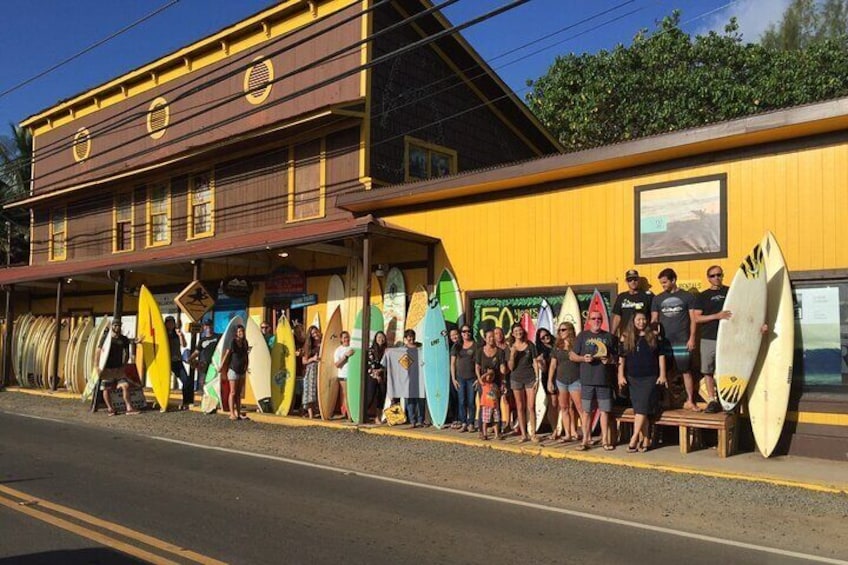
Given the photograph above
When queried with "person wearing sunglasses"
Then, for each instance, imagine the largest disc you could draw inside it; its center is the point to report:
(463, 376)
(674, 309)
(564, 379)
(268, 334)
(595, 351)
(544, 348)
(709, 310)
(632, 300)
(507, 398)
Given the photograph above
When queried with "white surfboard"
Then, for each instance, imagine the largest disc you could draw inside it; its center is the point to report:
(258, 366)
(336, 298)
(545, 320)
(570, 311)
(739, 337)
(768, 391)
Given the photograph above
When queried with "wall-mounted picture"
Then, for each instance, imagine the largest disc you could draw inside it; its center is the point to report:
(440, 164)
(681, 220)
(417, 162)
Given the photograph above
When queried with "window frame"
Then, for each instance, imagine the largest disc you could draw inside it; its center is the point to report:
(429, 148)
(51, 255)
(123, 195)
(190, 235)
(149, 213)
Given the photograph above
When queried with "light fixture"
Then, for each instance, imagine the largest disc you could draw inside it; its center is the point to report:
(380, 271)
(69, 280)
(283, 254)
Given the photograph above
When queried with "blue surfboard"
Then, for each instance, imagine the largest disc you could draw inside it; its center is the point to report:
(436, 363)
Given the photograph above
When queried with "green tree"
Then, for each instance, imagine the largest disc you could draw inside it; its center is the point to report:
(807, 22)
(666, 81)
(15, 175)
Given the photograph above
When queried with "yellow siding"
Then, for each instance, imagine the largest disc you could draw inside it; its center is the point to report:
(585, 235)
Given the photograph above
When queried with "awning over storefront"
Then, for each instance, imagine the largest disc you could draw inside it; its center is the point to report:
(292, 236)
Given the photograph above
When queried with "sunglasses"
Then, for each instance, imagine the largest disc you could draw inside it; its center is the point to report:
(715, 275)
(633, 279)
(466, 331)
(561, 330)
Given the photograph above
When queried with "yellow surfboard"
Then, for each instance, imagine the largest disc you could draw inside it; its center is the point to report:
(155, 351)
(283, 369)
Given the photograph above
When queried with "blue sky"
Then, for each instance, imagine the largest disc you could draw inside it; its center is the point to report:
(38, 34)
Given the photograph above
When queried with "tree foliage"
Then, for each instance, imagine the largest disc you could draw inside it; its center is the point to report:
(807, 22)
(667, 80)
(15, 175)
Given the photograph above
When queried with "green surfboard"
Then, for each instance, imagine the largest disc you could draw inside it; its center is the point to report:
(354, 372)
(447, 292)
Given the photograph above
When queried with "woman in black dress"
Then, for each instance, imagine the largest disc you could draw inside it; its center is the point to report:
(523, 369)
(642, 367)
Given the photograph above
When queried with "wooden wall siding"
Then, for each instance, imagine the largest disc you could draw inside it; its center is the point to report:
(306, 191)
(417, 94)
(585, 235)
(252, 192)
(117, 147)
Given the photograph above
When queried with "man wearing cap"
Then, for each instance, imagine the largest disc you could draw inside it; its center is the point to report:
(113, 374)
(202, 354)
(176, 343)
(632, 300)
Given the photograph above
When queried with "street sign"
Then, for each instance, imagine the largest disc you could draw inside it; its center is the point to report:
(194, 301)
(304, 300)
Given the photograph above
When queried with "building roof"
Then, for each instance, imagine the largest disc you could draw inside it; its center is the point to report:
(771, 127)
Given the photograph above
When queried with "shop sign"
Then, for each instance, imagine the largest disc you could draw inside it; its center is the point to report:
(304, 300)
(194, 301)
(237, 287)
(285, 283)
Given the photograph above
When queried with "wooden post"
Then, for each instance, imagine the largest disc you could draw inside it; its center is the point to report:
(196, 265)
(7, 339)
(366, 323)
(119, 296)
(57, 336)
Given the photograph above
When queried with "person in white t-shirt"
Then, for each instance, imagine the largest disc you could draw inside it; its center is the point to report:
(341, 357)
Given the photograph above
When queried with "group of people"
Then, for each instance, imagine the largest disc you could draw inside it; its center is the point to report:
(650, 336)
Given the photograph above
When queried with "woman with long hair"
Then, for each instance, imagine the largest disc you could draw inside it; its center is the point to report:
(642, 366)
(564, 378)
(507, 398)
(311, 356)
(523, 368)
(544, 349)
(464, 377)
(236, 360)
(375, 385)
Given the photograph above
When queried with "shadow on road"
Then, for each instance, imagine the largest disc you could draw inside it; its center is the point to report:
(98, 555)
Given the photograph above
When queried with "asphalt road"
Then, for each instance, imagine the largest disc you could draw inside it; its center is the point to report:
(241, 509)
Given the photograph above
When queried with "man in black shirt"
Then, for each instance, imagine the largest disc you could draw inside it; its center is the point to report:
(113, 374)
(633, 300)
(709, 310)
(202, 354)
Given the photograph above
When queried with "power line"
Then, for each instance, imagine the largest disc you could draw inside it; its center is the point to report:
(88, 49)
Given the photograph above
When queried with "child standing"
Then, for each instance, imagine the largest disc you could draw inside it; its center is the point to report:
(490, 412)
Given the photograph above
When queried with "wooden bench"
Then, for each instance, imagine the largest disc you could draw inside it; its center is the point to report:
(689, 424)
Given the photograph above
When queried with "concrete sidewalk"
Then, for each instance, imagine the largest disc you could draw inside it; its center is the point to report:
(798, 472)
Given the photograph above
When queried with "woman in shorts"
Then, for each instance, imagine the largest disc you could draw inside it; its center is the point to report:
(564, 379)
(235, 359)
(523, 369)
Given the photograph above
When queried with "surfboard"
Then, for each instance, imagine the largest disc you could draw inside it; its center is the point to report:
(336, 298)
(155, 347)
(447, 293)
(92, 375)
(316, 320)
(216, 390)
(376, 292)
(570, 311)
(436, 363)
(545, 320)
(597, 304)
(417, 310)
(77, 325)
(328, 382)
(529, 326)
(78, 360)
(771, 381)
(354, 284)
(283, 365)
(394, 306)
(739, 338)
(258, 366)
(354, 372)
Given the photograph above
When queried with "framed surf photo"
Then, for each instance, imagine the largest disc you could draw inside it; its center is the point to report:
(681, 220)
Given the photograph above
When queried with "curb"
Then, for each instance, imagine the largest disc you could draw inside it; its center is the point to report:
(297, 422)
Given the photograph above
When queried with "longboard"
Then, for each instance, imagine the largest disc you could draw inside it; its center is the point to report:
(354, 372)
(436, 364)
(417, 310)
(570, 311)
(283, 365)
(154, 347)
(336, 298)
(447, 292)
(771, 381)
(216, 391)
(328, 382)
(258, 366)
(394, 306)
(739, 337)
(92, 376)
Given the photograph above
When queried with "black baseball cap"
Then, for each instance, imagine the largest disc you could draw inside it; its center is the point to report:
(631, 274)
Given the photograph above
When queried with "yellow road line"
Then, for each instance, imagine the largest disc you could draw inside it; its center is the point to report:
(110, 526)
(86, 533)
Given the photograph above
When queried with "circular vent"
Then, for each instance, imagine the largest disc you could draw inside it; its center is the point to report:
(257, 80)
(158, 118)
(82, 145)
